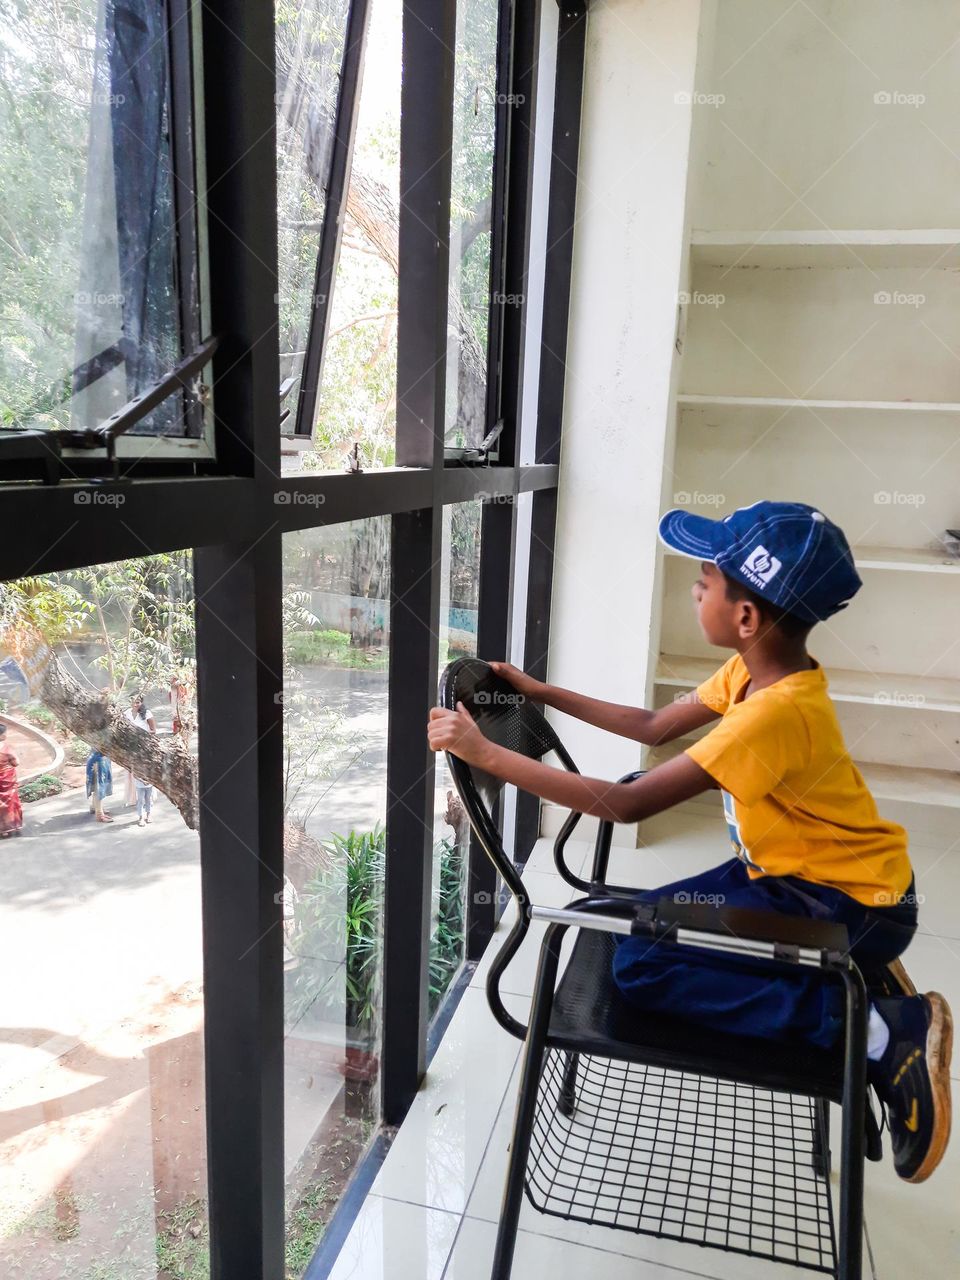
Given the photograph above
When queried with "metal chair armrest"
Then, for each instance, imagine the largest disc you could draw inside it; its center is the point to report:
(601, 853)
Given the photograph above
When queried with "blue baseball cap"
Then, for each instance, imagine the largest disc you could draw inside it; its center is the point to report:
(788, 553)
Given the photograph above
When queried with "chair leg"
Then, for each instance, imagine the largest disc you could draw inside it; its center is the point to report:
(821, 1139)
(850, 1260)
(527, 1103)
(567, 1104)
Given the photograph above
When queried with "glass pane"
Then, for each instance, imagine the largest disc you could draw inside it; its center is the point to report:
(89, 317)
(475, 88)
(336, 647)
(102, 1132)
(310, 42)
(357, 400)
(459, 599)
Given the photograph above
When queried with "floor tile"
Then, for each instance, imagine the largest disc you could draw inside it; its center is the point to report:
(539, 1255)
(392, 1241)
(914, 1230)
(486, 1199)
(545, 889)
(435, 1157)
(541, 859)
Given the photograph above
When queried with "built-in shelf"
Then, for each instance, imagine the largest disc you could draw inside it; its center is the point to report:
(827, 248)
(918, 693)
(766, 403)
(906, 559)
(886, 781)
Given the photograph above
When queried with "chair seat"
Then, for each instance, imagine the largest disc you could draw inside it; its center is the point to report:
(591, 1016)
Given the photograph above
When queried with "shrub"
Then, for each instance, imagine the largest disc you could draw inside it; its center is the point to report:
(40, 788)
(332, 924)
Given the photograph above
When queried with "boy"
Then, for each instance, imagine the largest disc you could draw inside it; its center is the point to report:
(805, 830)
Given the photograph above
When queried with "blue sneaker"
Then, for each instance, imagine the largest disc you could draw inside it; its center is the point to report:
(913, 1080)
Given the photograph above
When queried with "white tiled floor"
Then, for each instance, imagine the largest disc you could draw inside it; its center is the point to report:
(432, 1211)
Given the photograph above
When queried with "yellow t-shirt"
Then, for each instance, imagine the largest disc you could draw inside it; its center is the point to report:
(795, 802)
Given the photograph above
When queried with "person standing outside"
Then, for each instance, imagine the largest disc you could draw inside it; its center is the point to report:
(99, 783)
(11, 809)
(139, 716)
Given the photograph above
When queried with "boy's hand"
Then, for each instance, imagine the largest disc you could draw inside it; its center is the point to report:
(523, 683)
(456, 732)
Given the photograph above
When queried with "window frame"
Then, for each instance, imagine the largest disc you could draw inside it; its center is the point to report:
(230, 514)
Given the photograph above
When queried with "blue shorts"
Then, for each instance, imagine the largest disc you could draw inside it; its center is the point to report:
(727, 995)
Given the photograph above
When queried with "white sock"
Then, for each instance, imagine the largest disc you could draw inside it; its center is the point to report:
(878, 1034)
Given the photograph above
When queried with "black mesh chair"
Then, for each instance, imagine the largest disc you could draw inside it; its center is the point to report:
(648, 1124)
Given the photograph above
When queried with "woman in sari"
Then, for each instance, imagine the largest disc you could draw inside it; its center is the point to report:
(11, 810)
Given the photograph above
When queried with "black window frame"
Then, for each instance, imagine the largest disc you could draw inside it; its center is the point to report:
(230, 515)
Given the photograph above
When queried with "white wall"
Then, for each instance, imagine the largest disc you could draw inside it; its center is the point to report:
(629, 264)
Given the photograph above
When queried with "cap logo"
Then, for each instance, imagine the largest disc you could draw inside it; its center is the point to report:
(760, 566)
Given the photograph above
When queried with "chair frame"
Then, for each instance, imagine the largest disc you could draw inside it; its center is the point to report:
(779, 943)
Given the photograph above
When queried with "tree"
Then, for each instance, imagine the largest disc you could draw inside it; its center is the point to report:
(142, 610)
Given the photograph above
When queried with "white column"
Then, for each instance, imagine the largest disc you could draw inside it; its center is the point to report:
(629, 265)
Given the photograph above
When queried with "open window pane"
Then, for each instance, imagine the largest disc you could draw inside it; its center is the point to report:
(102, 1129)
(310, 43)
(459, 598)
(356, 404)
(475, 88)
(89, 297)
(336, 643)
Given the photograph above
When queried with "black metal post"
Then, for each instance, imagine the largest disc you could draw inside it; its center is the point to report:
(512, 205)
(497, 542)
(239, 667)
(426, 133)
(238, 587)
(568, 96)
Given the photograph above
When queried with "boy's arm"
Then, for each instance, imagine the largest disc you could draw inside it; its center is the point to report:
(637, 723)
(660, 789)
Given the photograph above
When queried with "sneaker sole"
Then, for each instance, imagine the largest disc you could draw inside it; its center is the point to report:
(939, 1052)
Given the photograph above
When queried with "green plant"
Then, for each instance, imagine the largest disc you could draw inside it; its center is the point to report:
(331, 647)
(39, 715)
(40, 788)
(305, 1224)
(76, 750)
(339, 915)
(446, 945)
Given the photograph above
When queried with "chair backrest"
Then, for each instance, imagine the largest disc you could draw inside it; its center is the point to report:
(512, 721)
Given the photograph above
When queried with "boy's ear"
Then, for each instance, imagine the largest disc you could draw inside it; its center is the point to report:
(748, 619)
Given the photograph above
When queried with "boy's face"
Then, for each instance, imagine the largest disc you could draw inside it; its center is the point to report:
(720, 619)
